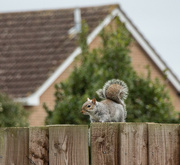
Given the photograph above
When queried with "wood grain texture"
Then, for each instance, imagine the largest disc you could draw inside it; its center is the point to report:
(14, 146)
(133, 144)
(104, 143)
(68, 145)
(164, 144)
(39, 146)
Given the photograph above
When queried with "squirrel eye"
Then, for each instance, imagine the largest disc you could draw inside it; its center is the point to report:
(89, 106)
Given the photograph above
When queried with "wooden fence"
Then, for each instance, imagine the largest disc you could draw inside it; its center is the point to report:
(111, 144)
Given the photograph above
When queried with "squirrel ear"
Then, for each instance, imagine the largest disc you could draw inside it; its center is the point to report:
(94, 101)
(88, 99)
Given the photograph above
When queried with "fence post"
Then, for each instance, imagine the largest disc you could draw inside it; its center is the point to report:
(164, 144)
(68, 145)
(14, 146)
(38, 146)
(104, 143)
(133, 143)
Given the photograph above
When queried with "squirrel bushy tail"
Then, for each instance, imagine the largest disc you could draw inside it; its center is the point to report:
(115, 90)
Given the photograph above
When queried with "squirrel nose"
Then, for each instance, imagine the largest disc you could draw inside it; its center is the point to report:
(82, 111)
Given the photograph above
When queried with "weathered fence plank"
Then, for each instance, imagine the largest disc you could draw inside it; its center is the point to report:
(111, 144)
(133, 144)
(104, 143)
(38, 146)
(164, 144)
(68, 145)
(14, 146)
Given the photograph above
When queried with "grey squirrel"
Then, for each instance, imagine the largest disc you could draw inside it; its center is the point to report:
(112, 108)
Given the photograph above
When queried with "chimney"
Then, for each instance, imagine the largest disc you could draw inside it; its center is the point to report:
(77, 19)
(77, 23)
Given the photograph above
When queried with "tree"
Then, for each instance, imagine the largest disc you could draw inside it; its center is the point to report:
(11, 114)
(148, 100)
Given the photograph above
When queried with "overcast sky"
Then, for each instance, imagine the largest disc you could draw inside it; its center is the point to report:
(157, 20)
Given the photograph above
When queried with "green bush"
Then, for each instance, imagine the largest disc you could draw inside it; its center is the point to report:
(148, 100)
(11, 114)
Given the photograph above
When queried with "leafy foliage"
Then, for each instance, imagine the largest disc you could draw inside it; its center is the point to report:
(148, 101)
(11, 114)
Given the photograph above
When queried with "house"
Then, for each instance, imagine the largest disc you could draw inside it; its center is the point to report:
(37, 50)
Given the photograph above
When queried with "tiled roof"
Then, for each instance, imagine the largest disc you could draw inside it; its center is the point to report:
(34, 44)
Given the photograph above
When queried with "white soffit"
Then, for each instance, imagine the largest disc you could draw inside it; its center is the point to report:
(33, 100)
